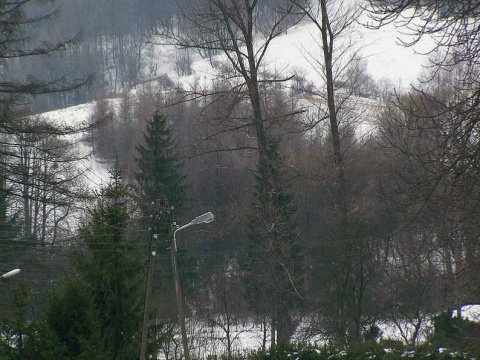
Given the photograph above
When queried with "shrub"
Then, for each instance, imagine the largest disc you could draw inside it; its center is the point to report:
(363, 351)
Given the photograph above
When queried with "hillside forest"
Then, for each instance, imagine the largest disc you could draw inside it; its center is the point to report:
(341, 203)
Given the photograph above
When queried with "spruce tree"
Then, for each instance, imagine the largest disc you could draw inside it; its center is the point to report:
(71, 329)
(111, 270)
(158, 177)
(158, 172)
(273, 261)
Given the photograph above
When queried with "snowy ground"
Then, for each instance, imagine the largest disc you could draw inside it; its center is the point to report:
(289, 53)
(247, 337)
(297, 51)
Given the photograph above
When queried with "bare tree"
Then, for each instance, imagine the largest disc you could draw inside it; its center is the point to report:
(453, 27)
(239, 32)
(45, 182)
(16, 19)
(349, 249)
(242, 32)
(433, 182)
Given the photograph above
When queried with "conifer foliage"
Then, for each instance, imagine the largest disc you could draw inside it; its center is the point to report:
(110, 269)
(273, 254)
(159, 178)
(159, 168)
(72, 319)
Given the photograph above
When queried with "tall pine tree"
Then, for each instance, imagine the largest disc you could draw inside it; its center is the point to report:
(111, 270)
(273, 261)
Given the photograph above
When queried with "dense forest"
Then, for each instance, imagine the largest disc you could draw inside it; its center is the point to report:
(340, 205)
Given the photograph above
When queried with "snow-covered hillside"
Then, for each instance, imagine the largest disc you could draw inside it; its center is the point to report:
(290, 53)
(79, 116)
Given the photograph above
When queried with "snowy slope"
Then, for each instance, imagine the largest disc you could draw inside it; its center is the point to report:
(79, 116)
(298, 50)
(289, 53)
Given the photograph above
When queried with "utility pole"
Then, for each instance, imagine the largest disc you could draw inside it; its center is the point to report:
(161, 211)
(178, 293)
(205, 218)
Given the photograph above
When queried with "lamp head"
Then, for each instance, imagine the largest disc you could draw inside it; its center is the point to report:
(10, 273)
(205, 218)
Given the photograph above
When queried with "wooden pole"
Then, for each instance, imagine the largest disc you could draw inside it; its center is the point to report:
(146, 309)
(178, 293)
(161, 211)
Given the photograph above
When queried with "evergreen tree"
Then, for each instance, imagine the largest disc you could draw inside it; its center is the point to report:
(273, 254)
(17, 330)
(159, 177)
(159, 168)
(71, 317)
(110, 269)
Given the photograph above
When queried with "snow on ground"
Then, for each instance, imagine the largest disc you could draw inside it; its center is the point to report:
(289, 53)
(246, 337)
(79, 116)
(298, 50)
(405, 330)
(470, 312)
(385, 58)
(388, 59)
(71, 116)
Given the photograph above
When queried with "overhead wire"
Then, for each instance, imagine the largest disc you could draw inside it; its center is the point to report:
(199, 256)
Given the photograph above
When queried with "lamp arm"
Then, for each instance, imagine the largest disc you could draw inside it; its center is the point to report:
(205, 218)
(178, 229)
(182, 227)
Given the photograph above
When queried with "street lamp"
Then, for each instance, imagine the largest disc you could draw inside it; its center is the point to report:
(205, 218)
(10, 273)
